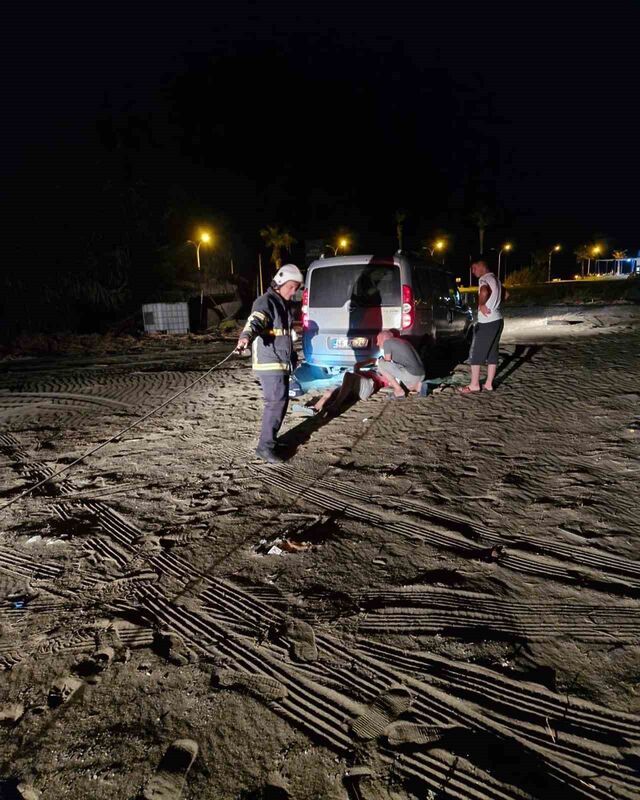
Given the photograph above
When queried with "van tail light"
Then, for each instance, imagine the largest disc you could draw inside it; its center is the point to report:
(407, 307)
(305, 309)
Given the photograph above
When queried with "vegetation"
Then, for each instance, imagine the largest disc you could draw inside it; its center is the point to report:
(278, 240)
(482, 218)
(594, 290)
(526, 276)
(400, 217)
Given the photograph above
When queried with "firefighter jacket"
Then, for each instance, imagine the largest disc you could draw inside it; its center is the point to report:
(269, 330)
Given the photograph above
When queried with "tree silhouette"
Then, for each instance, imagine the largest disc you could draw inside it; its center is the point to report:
(278, 240)
(400, 217)
(619, 256)
(482, 218)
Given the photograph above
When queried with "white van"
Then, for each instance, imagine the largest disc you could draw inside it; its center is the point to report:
(348, 300)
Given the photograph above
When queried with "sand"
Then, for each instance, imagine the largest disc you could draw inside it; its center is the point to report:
(454, 610)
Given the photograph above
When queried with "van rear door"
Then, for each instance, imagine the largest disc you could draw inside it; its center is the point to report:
(349, 304)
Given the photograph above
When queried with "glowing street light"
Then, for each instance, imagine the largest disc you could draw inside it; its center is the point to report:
(438, 246)
(505, 249)
(595, 252)
(204, 237)
(555, 249)
(343, 243)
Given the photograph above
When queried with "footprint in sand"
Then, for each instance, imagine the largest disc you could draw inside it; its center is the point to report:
(11, 713)
(364, 785)
(382, 712)
(302, 640)
(28, 792)
(171, 646)
(399, 733)
(63, 689)
(261, 686)
(171, 775)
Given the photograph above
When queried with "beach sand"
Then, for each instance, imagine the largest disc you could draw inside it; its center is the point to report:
(451, 606)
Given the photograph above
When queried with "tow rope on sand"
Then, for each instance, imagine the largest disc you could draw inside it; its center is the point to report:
(137, 422)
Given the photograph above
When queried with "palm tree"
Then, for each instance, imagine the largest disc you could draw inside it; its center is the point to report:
(619, 255)
(278, 240)
(482, 218)
(400, 217)
(582, 254)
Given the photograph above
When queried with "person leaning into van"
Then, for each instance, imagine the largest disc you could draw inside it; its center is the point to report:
(268, 331)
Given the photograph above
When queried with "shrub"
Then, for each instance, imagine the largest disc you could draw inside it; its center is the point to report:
(527, 276)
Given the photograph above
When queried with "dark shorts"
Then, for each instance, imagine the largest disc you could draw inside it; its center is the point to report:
(486, 339)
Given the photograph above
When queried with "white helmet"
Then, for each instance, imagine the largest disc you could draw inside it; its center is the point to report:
(288, 272)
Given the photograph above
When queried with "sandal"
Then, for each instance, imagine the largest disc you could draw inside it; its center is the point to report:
(304, 411)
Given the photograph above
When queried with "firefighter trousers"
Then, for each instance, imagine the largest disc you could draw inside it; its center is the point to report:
(275, 388)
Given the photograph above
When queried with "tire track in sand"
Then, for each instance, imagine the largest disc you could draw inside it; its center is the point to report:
(419, 610)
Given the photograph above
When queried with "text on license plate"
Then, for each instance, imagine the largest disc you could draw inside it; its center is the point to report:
(343, 343)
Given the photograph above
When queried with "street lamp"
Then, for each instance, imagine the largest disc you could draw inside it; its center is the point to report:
(505, 249)
(343, 243)
(438, 245)
(203, 238)
(595, 252)
(553, 250)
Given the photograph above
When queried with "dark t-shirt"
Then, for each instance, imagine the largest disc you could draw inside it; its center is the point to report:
(404, 353)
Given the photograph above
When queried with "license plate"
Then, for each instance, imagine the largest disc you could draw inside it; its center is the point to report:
(343, 343)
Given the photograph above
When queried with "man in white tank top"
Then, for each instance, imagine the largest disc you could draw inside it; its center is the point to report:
(488, 327)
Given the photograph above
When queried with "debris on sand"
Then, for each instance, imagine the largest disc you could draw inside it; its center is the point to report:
(171, 776)
(302, 536)
(494, 553)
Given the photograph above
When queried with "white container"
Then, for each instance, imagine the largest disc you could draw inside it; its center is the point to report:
(166, 317)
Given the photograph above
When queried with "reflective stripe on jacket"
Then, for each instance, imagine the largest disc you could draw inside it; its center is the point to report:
(269, 330)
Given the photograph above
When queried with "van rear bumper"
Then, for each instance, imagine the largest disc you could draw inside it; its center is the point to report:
(342, 360)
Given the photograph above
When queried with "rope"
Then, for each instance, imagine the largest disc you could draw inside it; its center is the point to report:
(117, 435)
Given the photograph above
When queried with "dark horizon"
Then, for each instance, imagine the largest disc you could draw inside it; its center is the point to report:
(322, 119)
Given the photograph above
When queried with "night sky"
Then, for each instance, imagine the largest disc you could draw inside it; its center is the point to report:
(320, 117)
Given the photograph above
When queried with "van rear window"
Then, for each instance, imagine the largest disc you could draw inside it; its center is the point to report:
(365, 285)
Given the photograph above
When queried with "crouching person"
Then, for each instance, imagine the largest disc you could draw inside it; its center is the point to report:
(269, 333)
(400, 364)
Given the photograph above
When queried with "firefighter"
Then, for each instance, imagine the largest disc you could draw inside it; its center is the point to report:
(268, 331)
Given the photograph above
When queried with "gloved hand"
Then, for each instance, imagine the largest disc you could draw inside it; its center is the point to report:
(243, 343)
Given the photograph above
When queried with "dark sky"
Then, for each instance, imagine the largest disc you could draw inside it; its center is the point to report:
(321, 115)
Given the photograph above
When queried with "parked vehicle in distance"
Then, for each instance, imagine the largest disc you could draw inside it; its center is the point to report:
(348, 300)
